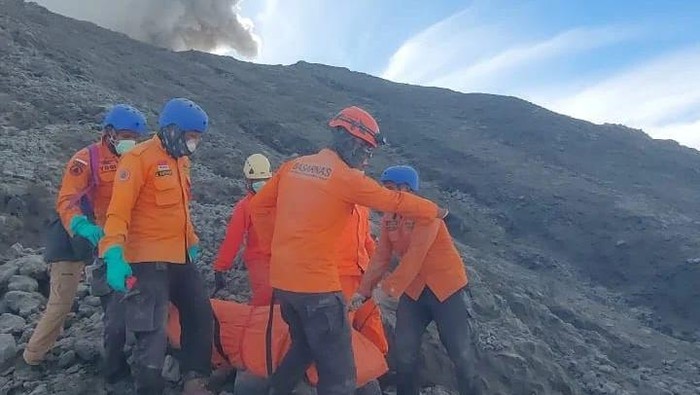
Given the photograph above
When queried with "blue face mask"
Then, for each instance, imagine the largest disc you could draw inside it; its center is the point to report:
(257, 185)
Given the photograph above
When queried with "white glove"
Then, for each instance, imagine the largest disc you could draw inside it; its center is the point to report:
(356, 301)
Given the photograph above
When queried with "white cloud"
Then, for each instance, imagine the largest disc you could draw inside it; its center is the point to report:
(312, 30)
(687, 133)
(481, 49)
(490, 71)
(661, 96)
(438, 49)
(468, 52)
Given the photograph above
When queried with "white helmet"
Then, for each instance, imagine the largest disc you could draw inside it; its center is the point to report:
(257, 167)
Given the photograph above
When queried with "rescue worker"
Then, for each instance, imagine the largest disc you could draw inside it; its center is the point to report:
(151, 242)
(430, 282)
(255, 257)
(81, 205)
(301, 213)
(355, 248)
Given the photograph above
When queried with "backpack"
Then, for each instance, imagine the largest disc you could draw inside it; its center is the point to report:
(60, 246)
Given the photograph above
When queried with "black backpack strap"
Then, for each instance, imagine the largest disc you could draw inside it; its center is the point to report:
(217, 340)
(268, 337)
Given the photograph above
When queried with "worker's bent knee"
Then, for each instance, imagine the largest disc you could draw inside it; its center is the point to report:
(406, 358)
(140, 312)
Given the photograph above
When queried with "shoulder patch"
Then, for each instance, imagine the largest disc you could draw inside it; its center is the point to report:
(124, 175)
(77, 167)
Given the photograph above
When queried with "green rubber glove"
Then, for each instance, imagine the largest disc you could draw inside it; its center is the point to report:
(82, 226)
(193, 253)
(118, 268)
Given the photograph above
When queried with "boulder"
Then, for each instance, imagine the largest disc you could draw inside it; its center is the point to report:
(23, 303)
(22, 283)
(12, 324)
(33, 266)
(8, 349)
(7, 270)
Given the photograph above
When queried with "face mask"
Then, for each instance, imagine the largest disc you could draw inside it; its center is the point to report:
(257, 185)
(123, 146)
(191, 145)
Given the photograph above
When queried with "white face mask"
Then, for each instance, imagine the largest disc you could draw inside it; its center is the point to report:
(257, 185)
(123, 146)
(191, 145)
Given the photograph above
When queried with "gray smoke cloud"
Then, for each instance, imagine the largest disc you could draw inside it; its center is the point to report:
(204, 25)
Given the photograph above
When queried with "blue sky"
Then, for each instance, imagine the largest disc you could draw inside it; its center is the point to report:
(630, 62)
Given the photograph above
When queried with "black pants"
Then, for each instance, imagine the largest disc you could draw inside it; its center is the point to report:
(114, 336)
(146, 309)
(320, 333)
(452, 319)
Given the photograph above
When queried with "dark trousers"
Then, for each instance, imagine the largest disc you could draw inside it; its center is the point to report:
(146, 309)
(321, 334)
(452, 318)
(114, 336)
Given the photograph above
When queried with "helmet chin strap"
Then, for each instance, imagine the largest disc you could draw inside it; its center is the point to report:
(173, 142)
(111, 141)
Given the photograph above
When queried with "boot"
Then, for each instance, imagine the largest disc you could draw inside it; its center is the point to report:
(196, 386)
(221, 376)
(149, 381)
(113, 374)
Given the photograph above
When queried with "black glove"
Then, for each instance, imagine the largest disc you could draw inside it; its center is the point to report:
(219, 281)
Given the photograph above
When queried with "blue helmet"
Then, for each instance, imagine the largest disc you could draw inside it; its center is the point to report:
(185, 114)
(401, 175)
(125, 117)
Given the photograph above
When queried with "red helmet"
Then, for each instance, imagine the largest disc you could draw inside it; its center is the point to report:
(360, 124)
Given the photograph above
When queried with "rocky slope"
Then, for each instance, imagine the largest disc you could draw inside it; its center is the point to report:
(581, 240)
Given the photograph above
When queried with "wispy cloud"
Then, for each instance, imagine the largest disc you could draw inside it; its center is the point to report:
(469, 52)
(661, 96)
(448, 43)
(491, 71)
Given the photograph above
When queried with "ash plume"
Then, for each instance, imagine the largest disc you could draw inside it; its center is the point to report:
(204, 25)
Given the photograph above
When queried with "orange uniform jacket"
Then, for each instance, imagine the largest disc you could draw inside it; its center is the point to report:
(239, 228)
(76, 179)
(303, 210)
(356, 245)
(149, 213)
(355, 248)
(428, 258)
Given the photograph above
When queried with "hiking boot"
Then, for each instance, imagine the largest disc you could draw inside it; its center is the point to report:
(221, 376)
(196, 386)
(113, 374)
